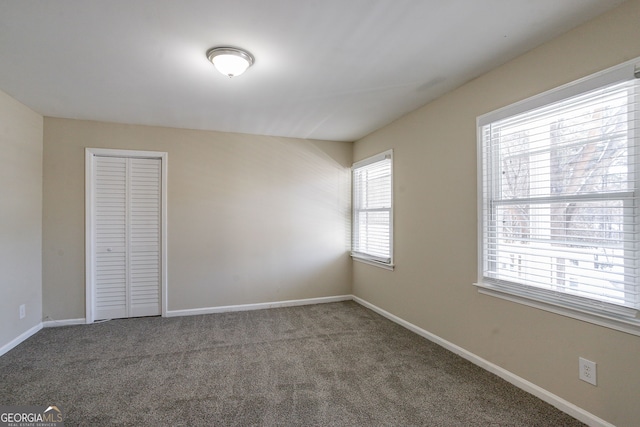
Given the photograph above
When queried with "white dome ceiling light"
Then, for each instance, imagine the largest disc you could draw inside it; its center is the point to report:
(230, 61)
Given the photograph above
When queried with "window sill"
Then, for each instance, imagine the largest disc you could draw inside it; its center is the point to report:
(372, 262)
(627, 325)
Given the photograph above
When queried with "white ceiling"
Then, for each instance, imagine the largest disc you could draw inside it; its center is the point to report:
(324, 69)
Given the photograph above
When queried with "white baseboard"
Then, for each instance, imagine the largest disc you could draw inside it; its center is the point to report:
(19, 339)
(259, 306)
(560, 403)
(64, 322)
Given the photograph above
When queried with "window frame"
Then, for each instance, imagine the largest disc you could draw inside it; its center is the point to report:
(627, 319)
(360, 256)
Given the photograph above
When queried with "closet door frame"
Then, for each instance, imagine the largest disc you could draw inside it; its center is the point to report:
(90, 256)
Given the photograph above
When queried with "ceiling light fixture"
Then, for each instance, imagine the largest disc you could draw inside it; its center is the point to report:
(230, 61)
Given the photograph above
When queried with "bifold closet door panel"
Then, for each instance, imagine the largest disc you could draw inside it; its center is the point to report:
(110, 221)
(144, 240)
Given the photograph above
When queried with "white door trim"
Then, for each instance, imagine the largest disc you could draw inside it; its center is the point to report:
(90, 154)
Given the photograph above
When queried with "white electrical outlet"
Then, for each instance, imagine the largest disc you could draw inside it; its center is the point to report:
(587, 371)
(23, 311)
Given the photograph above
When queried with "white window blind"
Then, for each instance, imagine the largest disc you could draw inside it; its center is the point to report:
(372, 209)
(559, 197)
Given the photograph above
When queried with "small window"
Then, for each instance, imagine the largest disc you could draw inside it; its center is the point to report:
(373, 210)
(559, 199)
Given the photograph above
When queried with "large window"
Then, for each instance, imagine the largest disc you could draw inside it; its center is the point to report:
(373, 210)
(559, 198)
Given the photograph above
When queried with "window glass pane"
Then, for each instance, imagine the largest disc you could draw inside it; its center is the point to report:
(569, 148)
(373, 237)
(570, 247)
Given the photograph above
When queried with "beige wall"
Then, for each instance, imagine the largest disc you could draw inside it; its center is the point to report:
(250, 219)
(20, 218)
(435, 230)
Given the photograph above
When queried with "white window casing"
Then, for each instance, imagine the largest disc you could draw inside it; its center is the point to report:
(558, 200)
(372, 225)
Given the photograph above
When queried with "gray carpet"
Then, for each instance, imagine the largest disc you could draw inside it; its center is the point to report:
(329, 364)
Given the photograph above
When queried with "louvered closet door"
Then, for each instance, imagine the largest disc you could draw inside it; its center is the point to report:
(144, 237)
(110, 239)
(127, 239)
